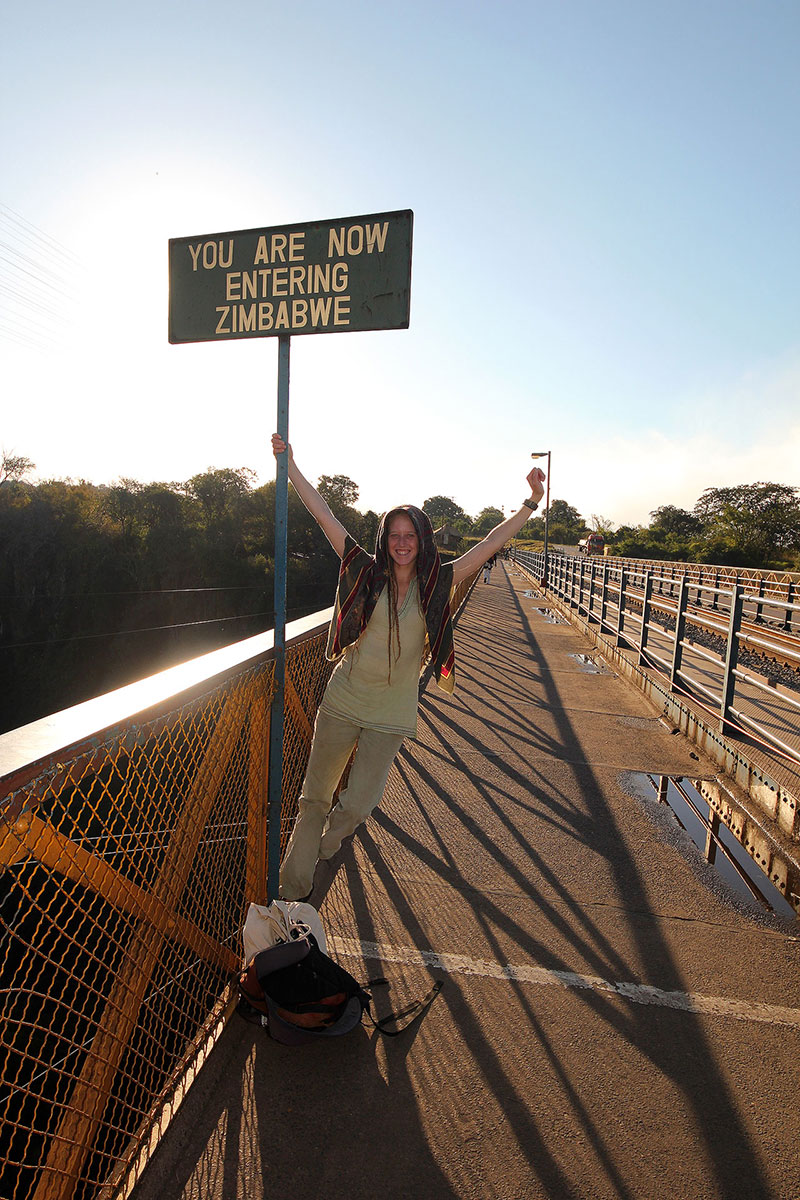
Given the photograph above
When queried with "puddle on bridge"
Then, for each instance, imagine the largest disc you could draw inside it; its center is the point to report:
(550, 615)
(590, 665)
(719, 845)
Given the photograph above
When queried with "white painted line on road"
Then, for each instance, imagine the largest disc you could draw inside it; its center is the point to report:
(639, 993)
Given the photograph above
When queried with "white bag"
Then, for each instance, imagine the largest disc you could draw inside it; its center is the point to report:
(281, 921)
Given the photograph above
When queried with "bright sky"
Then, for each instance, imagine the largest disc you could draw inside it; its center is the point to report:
(605, 259)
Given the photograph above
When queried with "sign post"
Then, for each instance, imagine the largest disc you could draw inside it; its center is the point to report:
(344, 275)
(275, 773)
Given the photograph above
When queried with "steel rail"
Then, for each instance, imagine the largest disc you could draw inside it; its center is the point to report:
(765, 687)
(607, 593)
(784, 646)
(764, 733)
(695, 685)
(688, 644)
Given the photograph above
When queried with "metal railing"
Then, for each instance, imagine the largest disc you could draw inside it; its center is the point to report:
(783, 585)
(133, 835)
(694, 624)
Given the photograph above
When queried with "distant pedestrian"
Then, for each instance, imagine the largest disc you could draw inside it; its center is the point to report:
(387, 606)
(487, 568)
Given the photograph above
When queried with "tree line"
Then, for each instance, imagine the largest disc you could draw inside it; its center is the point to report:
(749, 525)
(104, 584)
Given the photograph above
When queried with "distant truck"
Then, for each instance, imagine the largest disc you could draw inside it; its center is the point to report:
(593, 544)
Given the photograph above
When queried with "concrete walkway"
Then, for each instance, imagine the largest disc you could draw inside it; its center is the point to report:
(610, 1025)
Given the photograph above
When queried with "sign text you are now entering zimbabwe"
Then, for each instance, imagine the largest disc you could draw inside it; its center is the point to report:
(352, 274)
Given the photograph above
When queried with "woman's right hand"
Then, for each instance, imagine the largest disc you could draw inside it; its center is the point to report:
(334, 531)
(279, 446)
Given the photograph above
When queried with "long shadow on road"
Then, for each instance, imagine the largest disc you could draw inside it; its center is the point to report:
(688, 1059)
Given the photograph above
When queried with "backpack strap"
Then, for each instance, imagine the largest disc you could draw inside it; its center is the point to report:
(411, 1011)
(320, 1006)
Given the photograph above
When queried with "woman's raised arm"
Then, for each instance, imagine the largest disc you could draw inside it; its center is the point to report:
(494, 541)
(333, 529)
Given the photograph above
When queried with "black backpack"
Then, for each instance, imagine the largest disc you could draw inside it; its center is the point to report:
(300, 994)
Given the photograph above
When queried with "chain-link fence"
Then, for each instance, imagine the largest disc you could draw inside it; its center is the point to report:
(127, 868)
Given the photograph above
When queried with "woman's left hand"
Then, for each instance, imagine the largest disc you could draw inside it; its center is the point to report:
(536, 481)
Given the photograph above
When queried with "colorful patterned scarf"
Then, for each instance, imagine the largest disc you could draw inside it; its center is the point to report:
(362, 578)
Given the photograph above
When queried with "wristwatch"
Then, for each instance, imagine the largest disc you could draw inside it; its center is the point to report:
(531, 504)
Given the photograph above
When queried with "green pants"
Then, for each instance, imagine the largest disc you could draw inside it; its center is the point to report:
(319, 831)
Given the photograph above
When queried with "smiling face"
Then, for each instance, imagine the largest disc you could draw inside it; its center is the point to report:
(402, 542)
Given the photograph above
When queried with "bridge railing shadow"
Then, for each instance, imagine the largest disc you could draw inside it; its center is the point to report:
(568, 928)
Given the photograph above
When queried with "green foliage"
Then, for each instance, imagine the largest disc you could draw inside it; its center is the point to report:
(443, 510)
(675, 522)
(190, 564)
(339, 491)
(757, 518)
(14, 467)
(603, 525)
(105, 584)
(750, 525)
(637, 541)
(565, 525)
(486, 520)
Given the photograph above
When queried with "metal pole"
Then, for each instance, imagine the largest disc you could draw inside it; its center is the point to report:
(760, 607)
(731, 656)
(680, 630)
(546, 520)
(604, 597)
(646, 607)
(787, 617)
(281, 550)
(623, 583)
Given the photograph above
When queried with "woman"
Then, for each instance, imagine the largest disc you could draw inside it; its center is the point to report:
(386, 605)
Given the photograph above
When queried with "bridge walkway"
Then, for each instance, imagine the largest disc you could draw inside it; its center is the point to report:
(609, 1024)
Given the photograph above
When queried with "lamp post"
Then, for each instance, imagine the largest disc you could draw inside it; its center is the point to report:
(545, 454)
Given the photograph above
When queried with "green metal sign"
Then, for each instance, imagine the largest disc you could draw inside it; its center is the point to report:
(340, 276)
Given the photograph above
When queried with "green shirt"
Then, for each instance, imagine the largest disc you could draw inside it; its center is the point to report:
(359, 689)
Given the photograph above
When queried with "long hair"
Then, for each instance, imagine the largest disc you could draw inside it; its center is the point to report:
(362, 580)
(424, 531)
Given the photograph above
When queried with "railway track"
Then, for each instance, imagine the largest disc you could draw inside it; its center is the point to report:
(764, 638)
(769, 635)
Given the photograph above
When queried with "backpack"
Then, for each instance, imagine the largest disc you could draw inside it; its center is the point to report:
(299, 994)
